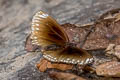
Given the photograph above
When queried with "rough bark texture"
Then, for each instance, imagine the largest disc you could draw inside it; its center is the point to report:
(15, 21)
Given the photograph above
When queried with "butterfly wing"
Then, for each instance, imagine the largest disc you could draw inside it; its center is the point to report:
(31, 47)
(69, 55)
(46, 31)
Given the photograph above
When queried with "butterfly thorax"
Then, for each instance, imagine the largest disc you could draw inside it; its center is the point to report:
(54, 47)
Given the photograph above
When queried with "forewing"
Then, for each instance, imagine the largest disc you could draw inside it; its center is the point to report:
(69, 55)
(31, 47)
(46, 31)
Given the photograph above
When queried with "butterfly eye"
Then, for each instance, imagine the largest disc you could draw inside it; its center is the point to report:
(49, 35)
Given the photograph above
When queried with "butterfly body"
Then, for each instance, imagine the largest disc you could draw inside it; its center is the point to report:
(54, 42)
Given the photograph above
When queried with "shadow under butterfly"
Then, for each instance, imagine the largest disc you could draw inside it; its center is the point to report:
(49, 37)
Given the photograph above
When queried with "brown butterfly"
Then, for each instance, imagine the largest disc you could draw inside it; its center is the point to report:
(54, 42)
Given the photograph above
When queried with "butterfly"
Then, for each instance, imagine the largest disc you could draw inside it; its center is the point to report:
(54, 42)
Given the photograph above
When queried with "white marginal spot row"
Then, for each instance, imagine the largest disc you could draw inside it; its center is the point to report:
(50, 58)
(41, 15)
(73, 61)
(36, 19)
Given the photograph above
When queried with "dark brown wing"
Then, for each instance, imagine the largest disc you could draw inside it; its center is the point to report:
(46, 31)
(69, 55)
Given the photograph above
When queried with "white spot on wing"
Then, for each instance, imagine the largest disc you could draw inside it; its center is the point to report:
(35, 20)
(43, 15)
(37, 24)
(37, 28)
(86, 61)
(35, 37)
(82, 62)
(36, 17)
